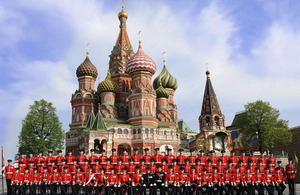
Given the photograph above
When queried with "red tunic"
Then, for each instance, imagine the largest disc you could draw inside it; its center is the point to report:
(69, 160)
(66, 178)
(290, 171)
(124, 179)
(125, 159)
(258, 178)
(249, 178)
(107, 168)
(50, 169)
(187, 169)
(80, 159)
(31, 159)
(102, 160)
(26, 179)
(254, 159)
(199, 169)
(101, 179)
(147, 159)
(112, 180)
(92, 160)
(278, 178)
(143, 169)
(220, 169)
(268, 179)
(202, 160)
(209, 169)
(226, 179)
(137, 178)
(113, 160)
(90, 179)
(157, 159)
(237, 178)
(96, 169)
(273, 160)
(264, 161)
(61, 168)
(38, 161)
(171, 179)
(153, 169)
(216, 178)
(35, 178)
(9, 171)
(245, 160)
(130, 169)
(136, 159)
(234, 160)
(165, 169)
(24, 161)
(214, 160)
(48, 160)
(118, 169)
(55, 178)
(169, 159)
(78, 177)
(84, 169)
(180, 159)
(231, 170)
(193, 178)
(205, 179)
(16, 179)
(45, 177)
(192, 160)
(242, 170)
(182, 179)
(73, 168)
(175, 169)
(224, 160)
(58, 160)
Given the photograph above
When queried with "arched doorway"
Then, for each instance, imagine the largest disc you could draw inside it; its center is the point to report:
(99, 146)
(220, 141)
(122, 146)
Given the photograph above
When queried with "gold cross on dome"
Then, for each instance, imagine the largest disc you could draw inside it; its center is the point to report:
(140, 36)
(164, 54)
(87, 49)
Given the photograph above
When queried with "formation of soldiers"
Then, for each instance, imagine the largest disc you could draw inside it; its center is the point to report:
(133, 175)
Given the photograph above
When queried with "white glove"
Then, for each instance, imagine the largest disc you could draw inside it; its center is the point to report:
(162, 184)
(119, 186)
(95, 185)
(199, 185)
(107, 184)
(154, 184)
(115, 185)
(133, 185)
(83, 185)
(144, 185)
(151, 184)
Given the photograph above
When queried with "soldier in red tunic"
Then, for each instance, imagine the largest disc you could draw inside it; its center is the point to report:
(125, 157)
(31, 158)
(215, 182)
(279, 181)
(271, 168)
(131, 167)
(209, 168)
(182, 181)
(198, 167)
(77, 181)
(45, 180)
(263, 159)
(101, 182)
(112, 182)
(81, 157)
(175, 168)
(251, 166)
(180, 158)
(55, 180)
(205, 183)
(186, 166)
(169, 157)
(143, 166)
(102, 158)
(220, 167)
(108, 167)
(96, 168)
(9, 171)
(92, 158)
(164, 166)
(124, 182)
(170, 182)
(244, 158)
(153, 167)
(272, 159)
(39, 159)
(259, 181)
(58, 159)
(73, 167)
(224, 158)
(238, 181)
(193, 179)
(147, 157)
(69, 158)
(261, 167)
(233, 158)
(231, 168)
(192, 158)
(61, 168)
(281, 167)
(31, 167)
(249, 181)
(35, 180)
(85, 167)
(25, 181)
(253, 158)
(269, 181)
(23, 160)
(136, 157)
(213, 158)
(15, 182)
(290, 173)
(137, 181)
(242, 166)
(226, 182)
(90, 181)
(114, 158)
(202, 158)
(157, 157)
(119, 167)
(49, 159)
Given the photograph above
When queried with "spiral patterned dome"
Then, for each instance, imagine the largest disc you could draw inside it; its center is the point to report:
(167, 80)
(108, 85)
(141, 62)
(161, 92)
(87, 68)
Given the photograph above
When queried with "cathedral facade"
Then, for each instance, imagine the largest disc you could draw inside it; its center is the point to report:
(127, 109)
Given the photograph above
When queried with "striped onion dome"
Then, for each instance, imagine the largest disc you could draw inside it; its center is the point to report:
(161, 92)
(108, 85)
(167, 80)
(141, 62)
(87, 68)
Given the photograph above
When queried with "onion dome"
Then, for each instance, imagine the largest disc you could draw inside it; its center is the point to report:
(141, 62)
(108, 85)
(167, 80)
(87, 68)
(123, 14)
(161, 92)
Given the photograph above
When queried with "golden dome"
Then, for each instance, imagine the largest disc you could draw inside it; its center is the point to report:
(108, 85)
(123, 14)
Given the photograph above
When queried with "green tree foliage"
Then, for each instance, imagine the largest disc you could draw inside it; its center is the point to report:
(260, 124)
(41, 129)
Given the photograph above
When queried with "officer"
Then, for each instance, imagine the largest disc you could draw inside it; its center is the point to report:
(193, 181)
(148, 181)
(290, 176)
(9, 171)
(158, 179)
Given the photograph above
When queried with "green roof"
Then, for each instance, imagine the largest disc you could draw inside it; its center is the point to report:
(99, 123)
(183, 127)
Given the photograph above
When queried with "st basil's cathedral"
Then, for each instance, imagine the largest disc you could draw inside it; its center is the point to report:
(130, 111)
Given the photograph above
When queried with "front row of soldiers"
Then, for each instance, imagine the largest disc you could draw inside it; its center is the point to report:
(171, 183)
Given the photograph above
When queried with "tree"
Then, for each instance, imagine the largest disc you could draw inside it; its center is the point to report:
(260, 125)
(41, 129)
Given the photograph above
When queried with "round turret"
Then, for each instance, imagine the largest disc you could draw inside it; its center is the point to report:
(167, 80)
(87, 68)
(108, 85)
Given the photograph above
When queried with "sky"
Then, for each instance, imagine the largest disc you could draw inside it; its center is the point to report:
(252, 49)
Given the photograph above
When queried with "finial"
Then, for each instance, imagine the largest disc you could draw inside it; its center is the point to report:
(140, 38)
(164, 53)
(207, 71)
(122, 5)
(87, 49)
(99, 107)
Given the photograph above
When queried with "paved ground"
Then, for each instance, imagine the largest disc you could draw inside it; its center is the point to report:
(3, 191)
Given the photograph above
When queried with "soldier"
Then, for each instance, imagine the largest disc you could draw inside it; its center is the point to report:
(51, 166)
(73, 167)
(70, 158)
(102, 158)
(124, 182)
(21, 168)
(193, 182)
(31, 158)
(180, 158)
(58, 159)
(215, 182)
(131, 167)
(164, 166)
(85, 167)
(260, 166)
(238, 180)
(54, 181)
(242, 166)
(114, 158)
(96, 168)
(136, 157)
(143, 166)
(49, 159)
(213, 159)
(224, 159)
(45, 178)
(153, 168)
(158, 180)
(31, 167)
(169, 157)
(25, 181)
(244, 158)
(61, 168)
(272, 159)
(39, 159)
(170, 182)
(92, 158)
(77, 181)
(251, 166)
(202, 158)
(259, 181)
(15, 182)
(220, 167)
(112, 182)
(108, 167)
(119, 167)
(209, 168)
(175, 168)
(125, 157)
(101, 182)
(157, 157)
(231, 168)
(226, 182)
(279, 181)
(271, 168)
(253, 158)
(263, 159)
(35, 180)
(90, 181)
(137, 181)
(205, 183)
(249, 181)
(192, 158)
(146, 157)
(233, 158)
(269, 181)
(81, 157)
(290, 176)
(198, 167)
(186, 166)
(182, 181)
(281, 167)
(9, 172)
(23, 160)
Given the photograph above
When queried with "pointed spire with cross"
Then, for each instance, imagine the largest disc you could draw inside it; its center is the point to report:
(140, 37)
(87, 49)
(164, 54)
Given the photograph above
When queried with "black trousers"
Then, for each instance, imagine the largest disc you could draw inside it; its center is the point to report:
(43, 188)
(110, 190)
(8, 187)
(205, 190)
(249, 188)
(53, 188)
(291, 183)
(24, 189)
(124, 189)
(215, 189)
(33, 188)
(137, 190)
(153, 189)
(88, 189)
(183, 190)
(259, 188)
(280, 188)
(270, 189)
(100, 189)
(15, 189)
(227, 188)
(76, 189)
(193, 189)
(64, 189)
(170, 189)
(239, 188)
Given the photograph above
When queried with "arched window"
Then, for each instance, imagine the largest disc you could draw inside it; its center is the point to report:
(125, 131)
(139, 131)
(165, 132)
(207, 121)
(146, 131)
(134, 131)
(217, 121)
(119, 131)
(151, 131)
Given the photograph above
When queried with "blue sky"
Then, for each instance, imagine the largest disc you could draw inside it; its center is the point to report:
(252, 48)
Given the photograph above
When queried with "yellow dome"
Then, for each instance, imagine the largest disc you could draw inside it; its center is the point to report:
(108, 85)
(123, 14)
